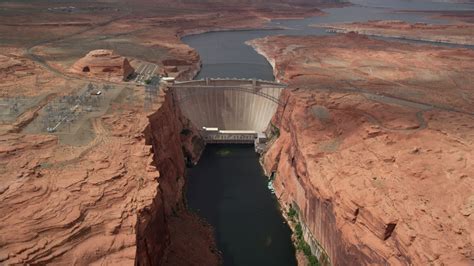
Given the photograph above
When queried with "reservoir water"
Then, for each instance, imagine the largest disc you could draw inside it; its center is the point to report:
(225, 54)
(227, 187)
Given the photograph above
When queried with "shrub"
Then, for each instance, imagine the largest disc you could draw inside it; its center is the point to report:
(292, 214)
(306, 249)
(275, 130)
(298, 231)
(313, 261)
(303, 246)
(186, 132)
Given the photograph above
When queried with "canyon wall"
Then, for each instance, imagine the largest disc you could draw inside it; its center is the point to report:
(375, 147)
(174, 143)
(117, 200)
(371, 192)
(287, 162)
(76, 207)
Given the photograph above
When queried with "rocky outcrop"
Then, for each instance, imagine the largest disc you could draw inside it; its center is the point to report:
(118, 200)
(378, 174)
(75, 210)
(103, 64)
(369, 195)
(13, 70)
(170, 147)
(173, 141)
(8, 64)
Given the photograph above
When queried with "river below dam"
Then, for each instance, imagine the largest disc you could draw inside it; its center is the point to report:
(227, 187)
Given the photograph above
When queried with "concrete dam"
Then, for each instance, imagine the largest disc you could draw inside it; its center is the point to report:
(229, 110)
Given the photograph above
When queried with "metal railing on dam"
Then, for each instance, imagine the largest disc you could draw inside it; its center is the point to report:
(228, 104)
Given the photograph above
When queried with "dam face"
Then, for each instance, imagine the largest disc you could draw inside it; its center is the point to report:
(228, 106)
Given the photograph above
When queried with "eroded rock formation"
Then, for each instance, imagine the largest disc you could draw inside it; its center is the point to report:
(8, 64)
(368, 187)
(103, 64)
(378, 173)
(11, 68)
(116, 201)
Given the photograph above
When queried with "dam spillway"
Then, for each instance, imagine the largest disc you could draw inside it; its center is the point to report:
(228, 105)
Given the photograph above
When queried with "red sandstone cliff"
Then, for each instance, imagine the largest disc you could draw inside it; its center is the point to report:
(370, 195)
(173, 141)
(376, 179)
(118, 200)
(76, 208)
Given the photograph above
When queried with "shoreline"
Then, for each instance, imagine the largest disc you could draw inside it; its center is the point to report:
(269, 59)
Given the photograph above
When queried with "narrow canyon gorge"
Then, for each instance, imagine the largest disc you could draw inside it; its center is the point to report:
(367, 129)
(125, 206)
(166, 227)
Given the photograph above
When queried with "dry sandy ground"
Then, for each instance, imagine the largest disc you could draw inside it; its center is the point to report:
(76, 204)
(420, 73)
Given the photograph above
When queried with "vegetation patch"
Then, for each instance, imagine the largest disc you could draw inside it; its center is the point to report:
(223, 152)
(292, 214)
(185, 132)
(275, 130)
(300, 243)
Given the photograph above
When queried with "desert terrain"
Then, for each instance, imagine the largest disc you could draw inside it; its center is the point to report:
(375, 147)
(372, 136)
(462, 34)
(89, 174)
(458, 16)
(457, 28)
